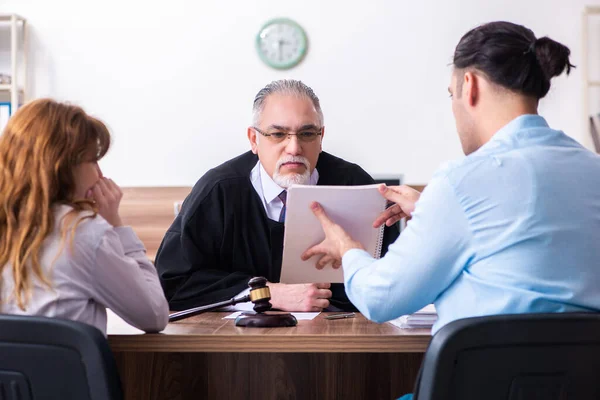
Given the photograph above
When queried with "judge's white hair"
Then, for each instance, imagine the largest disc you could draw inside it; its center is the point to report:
(284, 86)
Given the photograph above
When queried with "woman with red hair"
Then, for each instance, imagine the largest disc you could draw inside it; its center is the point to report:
(64, 251)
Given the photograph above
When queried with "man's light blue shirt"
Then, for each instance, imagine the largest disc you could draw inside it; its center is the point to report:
(513, 227)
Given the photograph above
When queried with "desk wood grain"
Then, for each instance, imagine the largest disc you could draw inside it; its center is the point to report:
(208, 357)
(209, 332)
(150, 212)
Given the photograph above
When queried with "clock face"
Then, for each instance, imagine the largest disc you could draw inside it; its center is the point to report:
(281, 43)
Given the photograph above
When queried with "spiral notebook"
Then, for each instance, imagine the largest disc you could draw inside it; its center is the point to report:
(354, 208)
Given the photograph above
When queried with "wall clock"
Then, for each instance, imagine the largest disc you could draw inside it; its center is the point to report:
(281, 43)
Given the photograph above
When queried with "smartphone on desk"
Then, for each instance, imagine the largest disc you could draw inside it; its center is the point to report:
(341, 315)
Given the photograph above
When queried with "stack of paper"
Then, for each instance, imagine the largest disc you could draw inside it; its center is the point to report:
(300, 316)
(424, 318)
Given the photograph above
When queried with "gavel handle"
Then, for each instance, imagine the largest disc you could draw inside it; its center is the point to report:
(197, 310)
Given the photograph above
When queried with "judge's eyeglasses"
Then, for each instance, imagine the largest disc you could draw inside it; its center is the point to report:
(304, 136)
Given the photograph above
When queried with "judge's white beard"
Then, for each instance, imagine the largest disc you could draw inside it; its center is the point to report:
(287, 180)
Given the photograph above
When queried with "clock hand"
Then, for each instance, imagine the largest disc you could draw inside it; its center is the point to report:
(280, 44)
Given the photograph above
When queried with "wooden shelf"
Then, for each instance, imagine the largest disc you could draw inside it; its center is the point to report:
(592, 10)
(7, 17)
(7, 88)
(16, 35)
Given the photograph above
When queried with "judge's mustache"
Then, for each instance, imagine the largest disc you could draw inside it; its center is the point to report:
(292, 159)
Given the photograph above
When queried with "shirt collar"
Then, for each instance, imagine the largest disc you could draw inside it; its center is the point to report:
(271, 190)
(515, 129)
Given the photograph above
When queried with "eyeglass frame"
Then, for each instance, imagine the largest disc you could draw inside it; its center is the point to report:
(288, 135)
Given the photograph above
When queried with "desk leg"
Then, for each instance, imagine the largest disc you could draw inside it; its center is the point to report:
(183, 376)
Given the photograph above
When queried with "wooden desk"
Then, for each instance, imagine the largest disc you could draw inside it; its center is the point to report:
(206, 357)
(150, 212)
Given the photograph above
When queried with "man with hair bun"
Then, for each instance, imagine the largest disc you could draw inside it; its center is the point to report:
(512, 228)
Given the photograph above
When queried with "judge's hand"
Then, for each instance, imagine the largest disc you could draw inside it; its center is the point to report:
(107, 196)
(336, 243)
(404, 198)
(303, 297)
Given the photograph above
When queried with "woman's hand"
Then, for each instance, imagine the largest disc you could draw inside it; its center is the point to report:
(107, 196)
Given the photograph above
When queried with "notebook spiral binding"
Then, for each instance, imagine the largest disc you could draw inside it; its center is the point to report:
(379, 242)
(379, 245)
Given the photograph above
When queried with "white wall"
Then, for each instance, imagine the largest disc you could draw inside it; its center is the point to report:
(175, 80)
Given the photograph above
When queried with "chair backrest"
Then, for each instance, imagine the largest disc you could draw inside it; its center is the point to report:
(48, 358)
(514, 357)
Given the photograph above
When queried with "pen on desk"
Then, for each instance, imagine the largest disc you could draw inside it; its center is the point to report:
(341, 316)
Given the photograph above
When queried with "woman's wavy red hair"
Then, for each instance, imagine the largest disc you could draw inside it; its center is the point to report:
(39, 148)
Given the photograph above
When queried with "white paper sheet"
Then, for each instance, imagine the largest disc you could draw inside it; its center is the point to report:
(354, 208)
(424, 318)
(300, 316)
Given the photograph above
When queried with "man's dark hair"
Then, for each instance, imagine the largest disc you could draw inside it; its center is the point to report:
(511, 56)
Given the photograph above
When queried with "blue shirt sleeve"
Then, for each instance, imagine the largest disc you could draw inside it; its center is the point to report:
(427, 257)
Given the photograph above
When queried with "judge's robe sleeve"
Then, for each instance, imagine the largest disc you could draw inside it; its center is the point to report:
(188, 259)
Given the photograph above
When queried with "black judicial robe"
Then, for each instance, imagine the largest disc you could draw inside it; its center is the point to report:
(222, 236)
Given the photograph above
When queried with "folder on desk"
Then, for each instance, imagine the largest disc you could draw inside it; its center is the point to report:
(354, 208)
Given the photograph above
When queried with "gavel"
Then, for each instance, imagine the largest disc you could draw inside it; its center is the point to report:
(259, 295)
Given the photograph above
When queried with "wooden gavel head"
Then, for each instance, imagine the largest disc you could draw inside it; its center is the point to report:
(260, 294)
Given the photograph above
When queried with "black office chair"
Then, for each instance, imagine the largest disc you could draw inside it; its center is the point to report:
(514, 357)
(49, 359)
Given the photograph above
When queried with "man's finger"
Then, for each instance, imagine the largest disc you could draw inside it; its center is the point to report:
(337, 264)
(324, 285)
(392, 195)
(319, 212)
(312, 251)
(323, 261)
(394, 219)
(390, 212)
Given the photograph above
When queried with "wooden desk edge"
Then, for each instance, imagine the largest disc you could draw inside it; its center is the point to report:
(269, 344)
